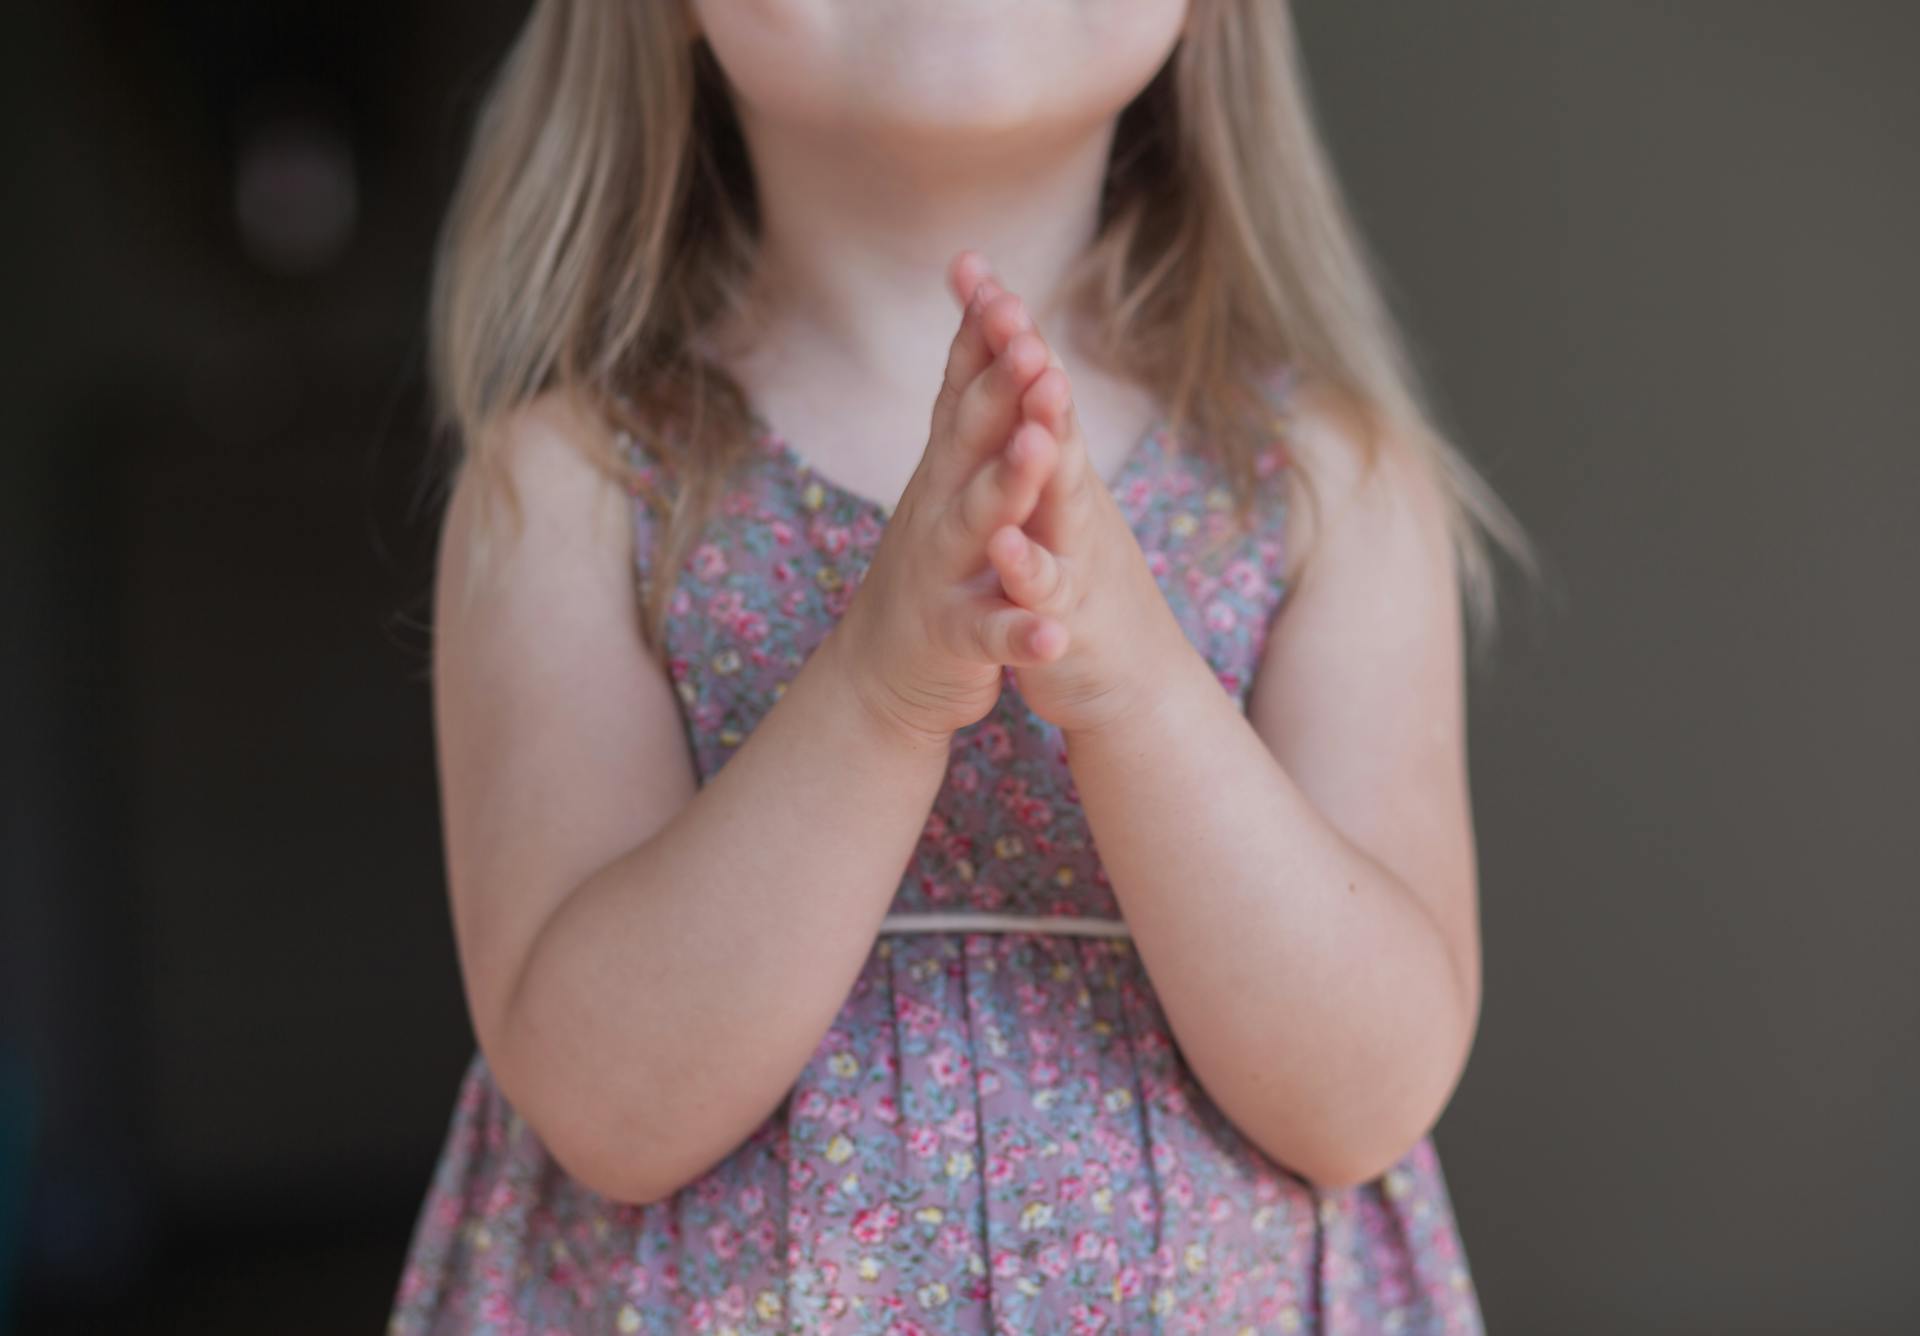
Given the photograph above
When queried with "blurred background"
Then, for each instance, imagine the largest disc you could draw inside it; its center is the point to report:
(1656, 257)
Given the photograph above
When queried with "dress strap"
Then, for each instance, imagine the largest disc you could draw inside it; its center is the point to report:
(969, 920)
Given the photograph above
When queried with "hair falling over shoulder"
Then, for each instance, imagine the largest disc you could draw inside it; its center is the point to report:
(606, 217)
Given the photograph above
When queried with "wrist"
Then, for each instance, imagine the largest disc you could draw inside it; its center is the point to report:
(865, 706)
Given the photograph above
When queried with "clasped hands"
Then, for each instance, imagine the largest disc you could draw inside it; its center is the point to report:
(1006, 551)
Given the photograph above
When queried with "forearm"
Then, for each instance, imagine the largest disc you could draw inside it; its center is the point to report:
(1309, 990)
(672, 999)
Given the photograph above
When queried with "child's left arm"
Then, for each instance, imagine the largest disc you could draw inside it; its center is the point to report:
(1300, 880)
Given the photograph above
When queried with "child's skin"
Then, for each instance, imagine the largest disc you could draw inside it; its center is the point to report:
(1299, 880)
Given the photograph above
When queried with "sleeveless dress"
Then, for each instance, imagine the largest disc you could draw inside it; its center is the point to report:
(998, 1133)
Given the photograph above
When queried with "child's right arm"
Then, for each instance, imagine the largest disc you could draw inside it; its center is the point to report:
(649, 965)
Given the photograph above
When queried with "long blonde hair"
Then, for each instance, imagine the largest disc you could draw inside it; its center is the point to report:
(606, 217)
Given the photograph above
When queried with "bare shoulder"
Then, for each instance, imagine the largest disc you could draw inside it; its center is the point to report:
(559, 737)
(1362, 480)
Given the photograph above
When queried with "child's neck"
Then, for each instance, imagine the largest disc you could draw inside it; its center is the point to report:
(853, 319)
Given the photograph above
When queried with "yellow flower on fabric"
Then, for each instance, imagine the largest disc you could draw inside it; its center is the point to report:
(840, 1148)
(964, 867)
(869, 1268)
(1183, 524)
(932, 1296)
(1219, 498)
(731, 737)
(727, 661)
(1027, 1286)
(1103, 1200)
(929, 1215)
(629, 1319)
(767, 1305)
(1196, 1258)
(686, 691)
(827, 578)
(1119, 1099)
(813, 496)
(849, 1183)
(1263, 1217)
(843, 1064)
(1063, 876)
(1009, 846)
(1289, 1318)
(1035, 1214)
(960, 1164)
(1398, 1183)
(1062, 971)
(482, 1237)
(1163, 1301)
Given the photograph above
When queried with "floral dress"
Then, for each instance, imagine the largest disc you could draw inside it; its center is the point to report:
(998, 1134)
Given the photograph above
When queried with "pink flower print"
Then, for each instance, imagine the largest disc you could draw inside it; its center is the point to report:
(923, 1141)
(999, 1169)
(724, 1240)
(1044, 1072)
(1135, 495)
(1042, 1041)
(830, 539)
(1220, 616)
(782, 571)
(782, 534)
(679, 667)
(1157, 563)
(845, 1109)
(725, 606)
(1072, 1187)
(1088, 1320)
(680, 602)
(709, 562)
(875, 1222)
(1006, 1265)
(1244, 578)
(948, 1065)
(732, 1303)
(497, 1307)
(791, 600)
(885, 1109)
(1230, 682)
(1181, 1189)
(995, 741)
(866, 531)
(1053, 1260)
(964, 777)
(811, 1104)
(961, 1126)
(1144, 1208)
(1218, 1208)
(837, 600)
(1128, 1280)
(700, 1315)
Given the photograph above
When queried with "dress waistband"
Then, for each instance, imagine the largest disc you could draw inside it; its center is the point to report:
(973, 920)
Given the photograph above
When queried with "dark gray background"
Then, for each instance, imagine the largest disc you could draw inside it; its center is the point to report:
(1656, 259)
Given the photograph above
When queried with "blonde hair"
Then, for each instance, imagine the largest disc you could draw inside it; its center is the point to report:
(606, 218)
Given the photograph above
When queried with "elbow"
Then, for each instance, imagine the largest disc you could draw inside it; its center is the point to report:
(613, 1153)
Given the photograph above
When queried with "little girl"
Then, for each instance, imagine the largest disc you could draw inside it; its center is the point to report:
(1009, 875)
